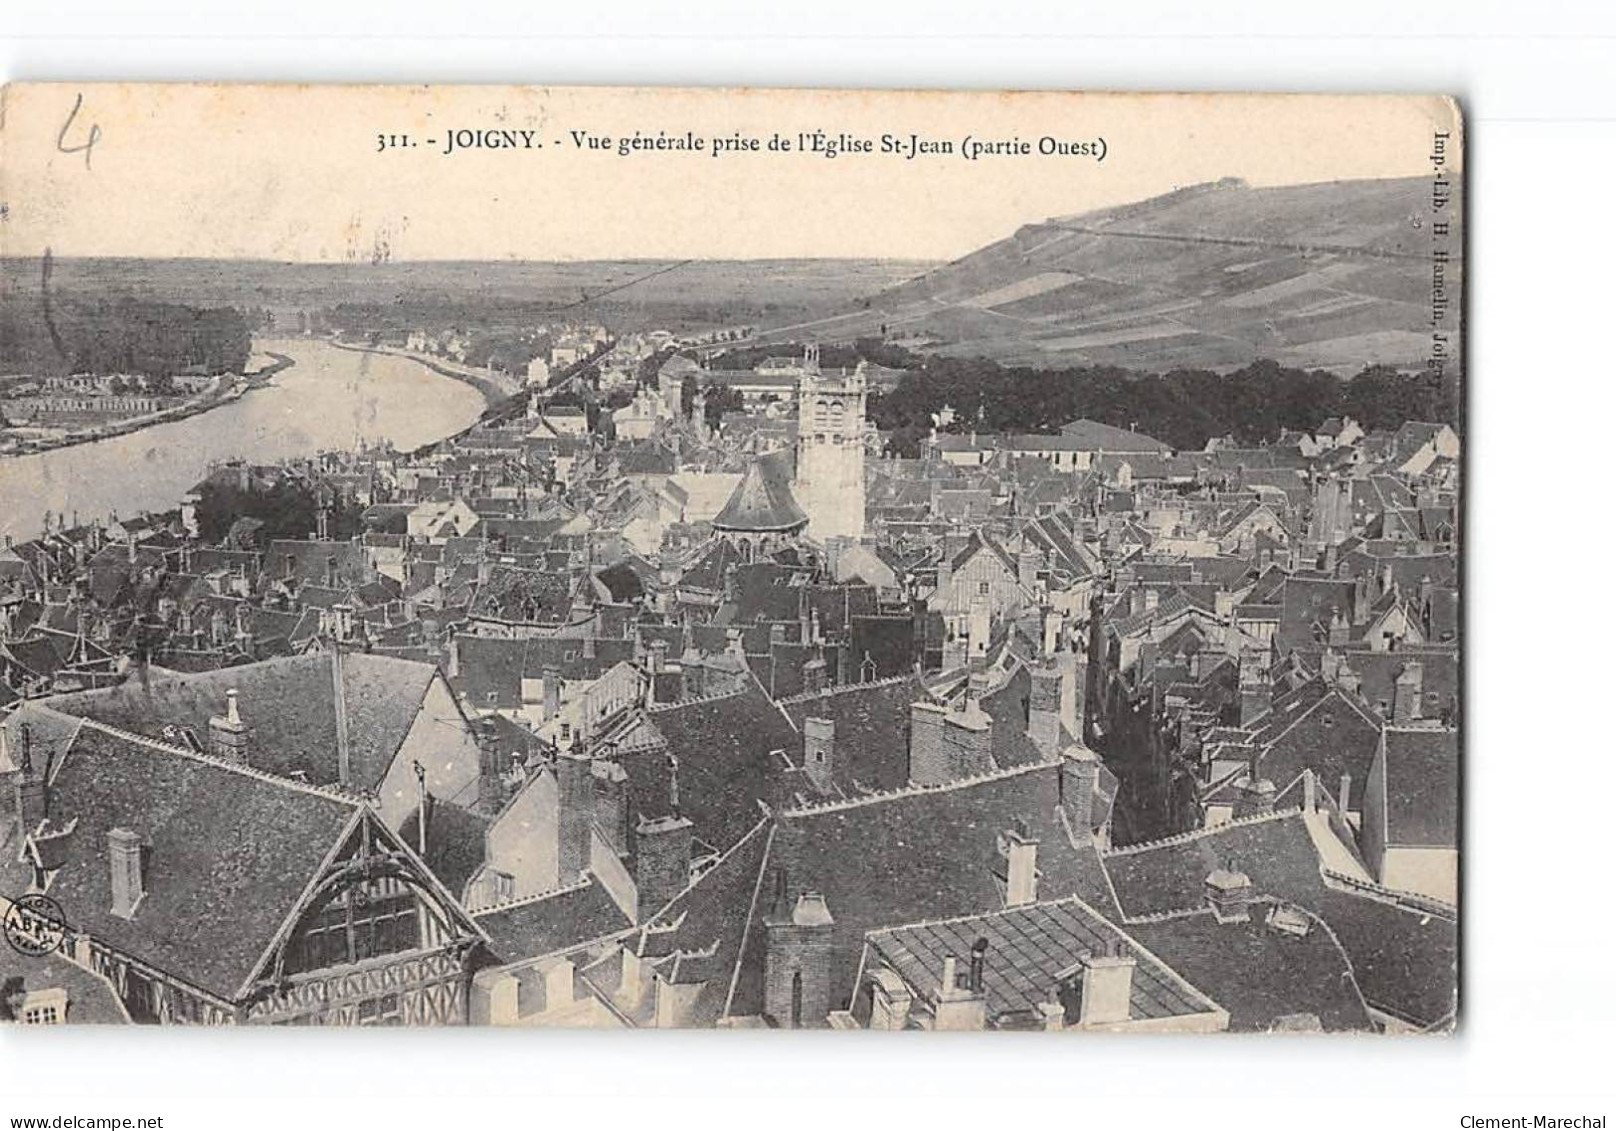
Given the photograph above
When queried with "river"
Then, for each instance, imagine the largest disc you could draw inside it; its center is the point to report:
(331, 398)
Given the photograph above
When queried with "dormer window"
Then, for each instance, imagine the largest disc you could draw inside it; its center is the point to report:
(44, 1007)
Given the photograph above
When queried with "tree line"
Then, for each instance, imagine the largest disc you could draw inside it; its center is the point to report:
(1183, 408)
(42, 335)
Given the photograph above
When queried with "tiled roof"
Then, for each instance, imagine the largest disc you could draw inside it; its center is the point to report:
(1098, 437)
(552, 921)
(91, 1000)
(1031, 950)
(1404, 956)
(229, 853)
(515, 594)
(288, 704)
(456, 842)
(1422, 786)
(872, 729)
(1259, 974)
(1276, 852)
(925, 854)
(726, 765)
(761, 503)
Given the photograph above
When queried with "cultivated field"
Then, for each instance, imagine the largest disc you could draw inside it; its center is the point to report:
(1333, 275)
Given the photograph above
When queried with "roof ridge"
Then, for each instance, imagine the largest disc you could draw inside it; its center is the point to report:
(549, 893)
(331, 793)
(1197, 834)
(1172, 915)
(839, 688)
(988, 914)
(913, 790)
(1408, 900)
(656, 708)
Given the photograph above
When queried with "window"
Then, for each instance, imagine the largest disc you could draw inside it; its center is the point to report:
(44, 1007)
(982, 588)
(380, 1011)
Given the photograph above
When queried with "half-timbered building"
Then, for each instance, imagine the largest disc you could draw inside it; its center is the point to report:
(207, 892)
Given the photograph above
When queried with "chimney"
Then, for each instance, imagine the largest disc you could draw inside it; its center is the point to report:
(128, 876)
(819, 752)
(890, 1002)
(928, 756)
(968, 738)
(575, 789)
(558, 984)
(1256, 797)
(797, 960)
(1054, 621)
(659, 656)
(1021, 868)
(552, 693)
(1339, 630)
(1107, 988)
(331, 571)
(1343, 798)
(611, 802)
(1346, 679)
(1256, 692)
(1136, 602)
(1406, 692)
(1072, 671)
(1044, 711)
(342, 622)
(661, 862)
(945, 572)
(229, 733)
(1229, 895)
(30, 787)
(1027, 563)
(1079, 776)
(1330, 665)
(1152, 598)
(981, 629)
(815, 675)
(962, 1002)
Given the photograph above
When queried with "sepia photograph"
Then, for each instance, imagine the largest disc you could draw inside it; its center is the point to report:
(742, 559)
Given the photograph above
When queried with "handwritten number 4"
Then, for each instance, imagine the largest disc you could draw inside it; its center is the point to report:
(90, 139)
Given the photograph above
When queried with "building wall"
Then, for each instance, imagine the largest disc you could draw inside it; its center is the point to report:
(522, 841)
(1003, 593)
(1424, 870)
(443, 743)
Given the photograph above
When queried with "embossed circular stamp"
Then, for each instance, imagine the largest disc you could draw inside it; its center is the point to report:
(35, 925)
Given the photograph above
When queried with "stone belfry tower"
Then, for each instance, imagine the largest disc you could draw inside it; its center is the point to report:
(830, 449)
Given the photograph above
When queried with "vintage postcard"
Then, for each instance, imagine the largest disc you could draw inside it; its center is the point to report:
(750, 559)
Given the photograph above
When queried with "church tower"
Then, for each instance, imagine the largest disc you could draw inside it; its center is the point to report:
(830, 450)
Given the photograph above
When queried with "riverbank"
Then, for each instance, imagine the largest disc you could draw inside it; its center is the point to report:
(492, 391)
(205, 403)
(330, 400)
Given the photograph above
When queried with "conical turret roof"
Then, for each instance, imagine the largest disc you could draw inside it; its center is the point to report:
(762, 502)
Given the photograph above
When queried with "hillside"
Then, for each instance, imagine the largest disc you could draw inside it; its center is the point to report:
(1333, 275)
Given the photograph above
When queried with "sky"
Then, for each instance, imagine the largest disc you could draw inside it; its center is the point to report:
(299, 172)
